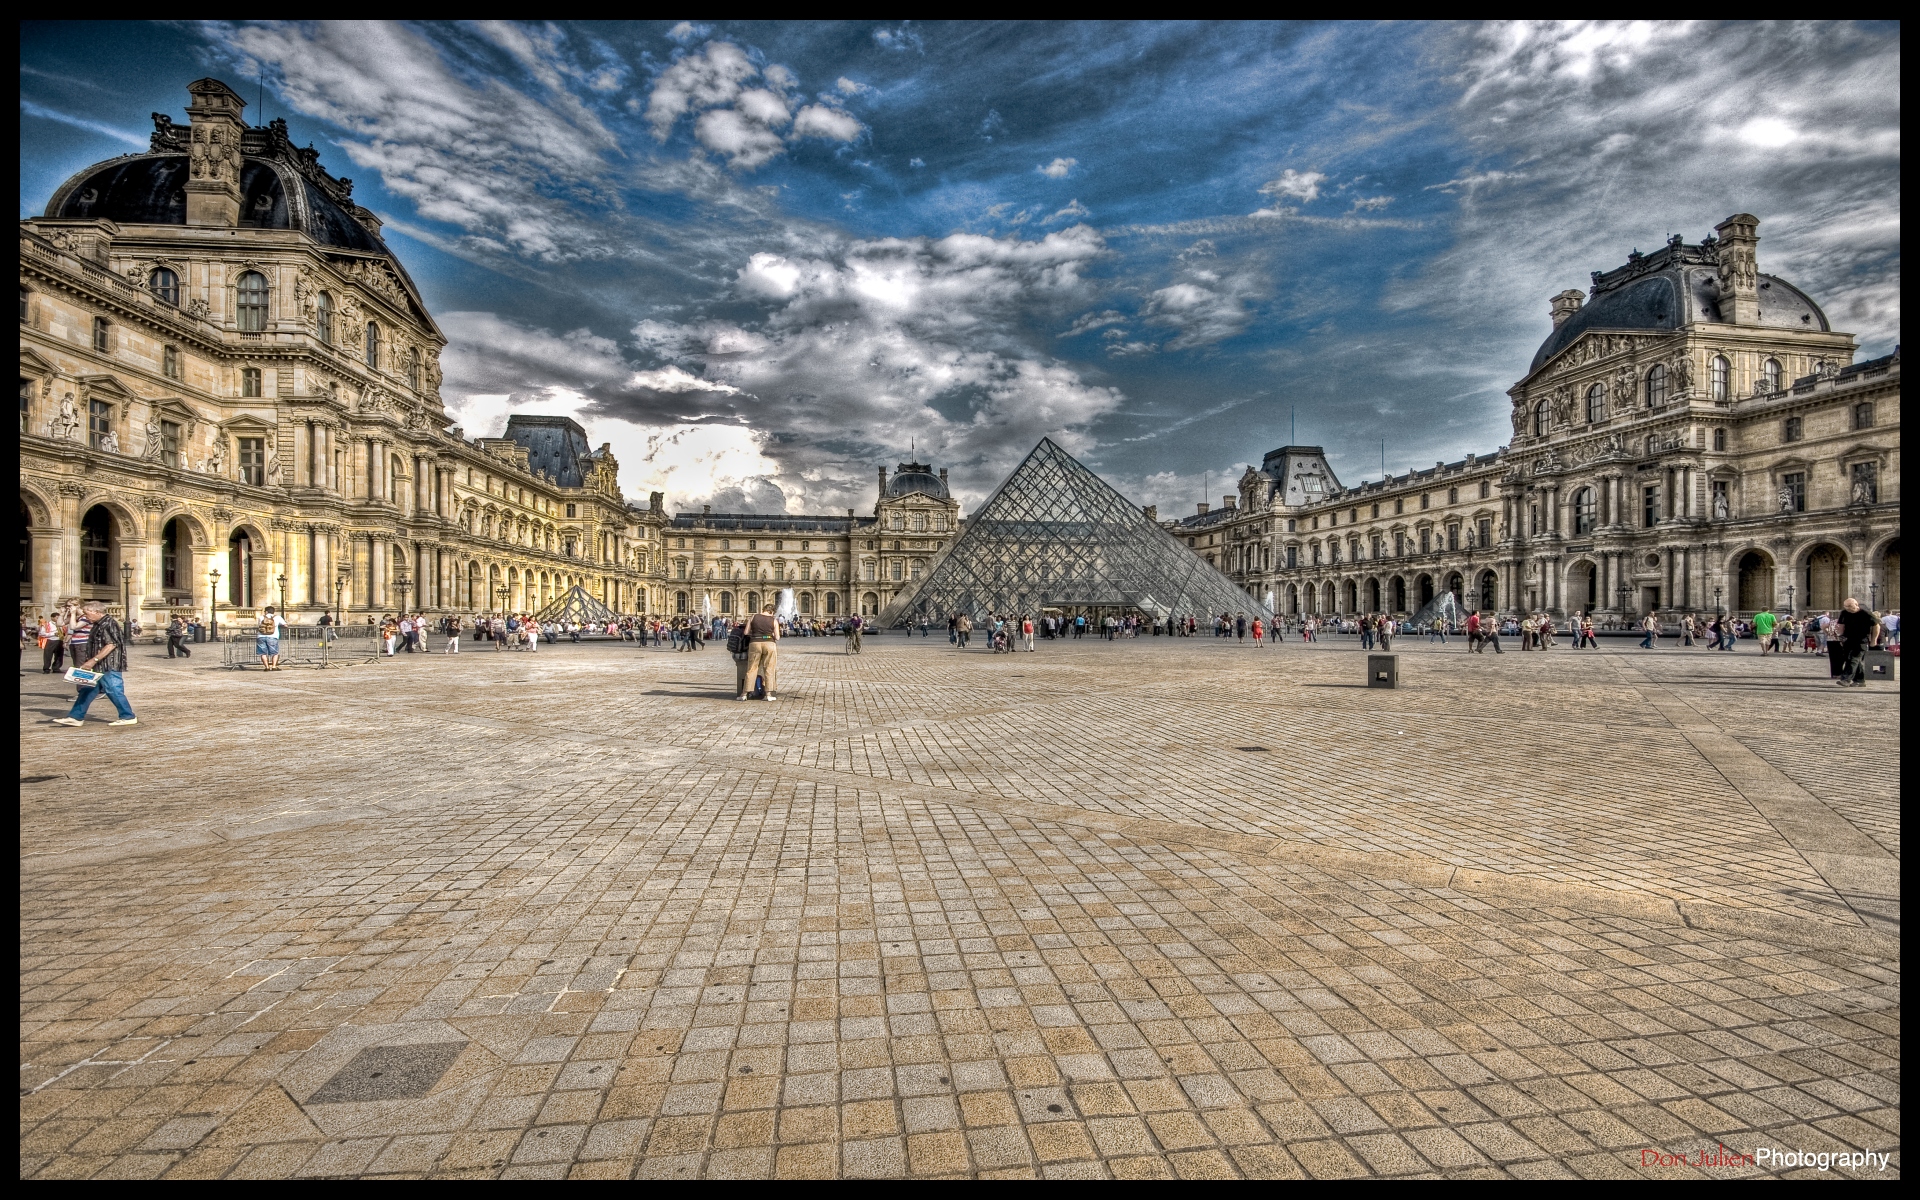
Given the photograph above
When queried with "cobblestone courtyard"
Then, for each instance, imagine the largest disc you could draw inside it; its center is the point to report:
(1160, 908)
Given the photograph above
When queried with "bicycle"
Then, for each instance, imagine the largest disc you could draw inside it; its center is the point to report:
(853, 639)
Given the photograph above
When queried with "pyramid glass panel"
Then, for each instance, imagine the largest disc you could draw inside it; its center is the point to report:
(579, 606)
(1055, 535)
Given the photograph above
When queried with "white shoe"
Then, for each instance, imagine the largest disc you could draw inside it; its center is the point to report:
(739, 697)
(125, 721)
(73, 721)
(771, 697)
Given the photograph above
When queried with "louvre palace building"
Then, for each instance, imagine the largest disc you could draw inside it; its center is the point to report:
(1691, 436)
(229, 397)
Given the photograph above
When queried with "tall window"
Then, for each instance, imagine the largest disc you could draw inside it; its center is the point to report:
(164, 285)
(1453, 537)
(1719, 439)
(1596, 403)
(170, 556)
(1793, 492)
(1657, 387)
(1770, 374)
(413, 370)
(373, 345)
(253, 461)
(1863, 416)
(1583, 511)
(1426, 540)
(940, 519)
(26, 405)
(96, 547)
(1486, 489)
(99, 422)
(1650, 506)
(1453, 495)
(1792, 429)
(323, 318)
(1722, 500)
(170, 443)
(1719, 378)
(249, 381)
(1486, 531)
(1542, 419)
(100, 334)
(170, 362)
(251, 302)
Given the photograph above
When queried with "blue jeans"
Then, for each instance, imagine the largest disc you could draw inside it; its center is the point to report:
(112, 687)
(1646, 643)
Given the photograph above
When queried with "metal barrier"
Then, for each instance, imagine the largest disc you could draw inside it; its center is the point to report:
(305, 646)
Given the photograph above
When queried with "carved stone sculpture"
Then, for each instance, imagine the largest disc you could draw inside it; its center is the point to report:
(110, 442)
(65, 426)
(1720, 507)
(153, 447)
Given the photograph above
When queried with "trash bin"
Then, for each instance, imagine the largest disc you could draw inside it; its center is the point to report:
(1383, 670)
(199, 633)
(1880, 666)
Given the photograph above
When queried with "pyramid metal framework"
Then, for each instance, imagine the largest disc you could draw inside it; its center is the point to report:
(579, 606)
(1057, 535)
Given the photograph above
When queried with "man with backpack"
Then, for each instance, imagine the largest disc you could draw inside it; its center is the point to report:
(266, 639)
(763, 640)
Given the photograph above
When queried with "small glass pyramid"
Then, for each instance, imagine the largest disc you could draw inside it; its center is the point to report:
(1055, 535)
(577, 605)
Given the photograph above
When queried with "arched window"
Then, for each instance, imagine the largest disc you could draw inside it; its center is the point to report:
(251, 306)
(373, 345)
(1770, 373)
(1583, 511)
(96, 547)
(323, 318)
(1542, 419)
(164, 285)
(1596, 403)
(1657, 387)
(1719, 378)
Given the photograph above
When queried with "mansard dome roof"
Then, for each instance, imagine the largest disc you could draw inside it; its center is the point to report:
(916, 477)
(1672, 287)
(281, 187)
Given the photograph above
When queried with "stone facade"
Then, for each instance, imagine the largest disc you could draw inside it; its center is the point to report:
(1692, 436)
(223, 368)
(726, 563)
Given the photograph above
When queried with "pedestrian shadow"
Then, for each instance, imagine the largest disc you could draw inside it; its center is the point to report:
(1334, 685)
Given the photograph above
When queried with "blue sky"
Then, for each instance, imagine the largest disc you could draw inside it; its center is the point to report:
(762, 259)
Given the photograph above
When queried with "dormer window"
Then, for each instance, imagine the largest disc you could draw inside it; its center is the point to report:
(250, 308)
(164, 285)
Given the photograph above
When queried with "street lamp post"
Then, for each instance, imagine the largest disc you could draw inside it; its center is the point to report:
(1790, 609)
(213, 604)
(283, 595)
(126, 594)
(1718, 610)
(1625, 590)
(1873, 596)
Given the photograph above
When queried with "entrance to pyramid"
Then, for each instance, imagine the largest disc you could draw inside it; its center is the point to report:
(1055, 536)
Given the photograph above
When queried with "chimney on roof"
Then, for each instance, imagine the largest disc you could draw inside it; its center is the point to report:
(883, 481)
(1739, 268)
(1203, 508)
(656, 501)
(1565, 305)
(213, 189)
(849, 514)
(706, 510)
(1227, 501)
(1152, 513)
(943, 477)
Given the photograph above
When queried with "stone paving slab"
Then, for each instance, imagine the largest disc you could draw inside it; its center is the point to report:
(942, 914)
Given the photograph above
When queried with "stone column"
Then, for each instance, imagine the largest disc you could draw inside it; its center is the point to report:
(377, 571)
(320, 578)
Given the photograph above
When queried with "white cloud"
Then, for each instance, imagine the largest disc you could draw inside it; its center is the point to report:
(1370, 203)
(817, 120)
(1767, 132)
(1295, 185)
(481, 157)
(1074, 211)
(741, 122)
(1087, 322)
(849, 87)
(1059, 168)
(916, 162)
(1204, 307)
(687, 31)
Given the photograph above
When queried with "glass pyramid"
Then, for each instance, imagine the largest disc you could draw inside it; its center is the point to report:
(577, 605)
(1055, 535)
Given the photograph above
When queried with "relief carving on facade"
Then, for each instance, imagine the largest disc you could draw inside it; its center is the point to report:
(66, 424)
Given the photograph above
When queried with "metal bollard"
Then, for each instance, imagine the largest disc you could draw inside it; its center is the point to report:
(1383, 670)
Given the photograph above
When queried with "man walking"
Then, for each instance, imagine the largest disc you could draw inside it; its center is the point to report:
(177, 638)
(763, 640)
(106, 652)
(1857, 630)
(1651, 626)
(1763, 623)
